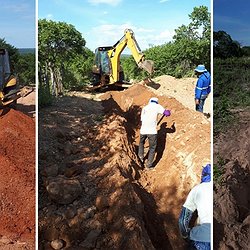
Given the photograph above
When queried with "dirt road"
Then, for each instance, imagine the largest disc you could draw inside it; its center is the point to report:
(93, 191)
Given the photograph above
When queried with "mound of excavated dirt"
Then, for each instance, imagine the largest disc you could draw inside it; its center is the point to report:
(88, 148)
(27, 104)
(17, 180)
(181, 89)
(231, 192)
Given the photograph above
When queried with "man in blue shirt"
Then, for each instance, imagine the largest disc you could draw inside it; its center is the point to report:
(203, 87)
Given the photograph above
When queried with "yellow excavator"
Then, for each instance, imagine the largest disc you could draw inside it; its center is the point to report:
(9, 90)
(107, 68)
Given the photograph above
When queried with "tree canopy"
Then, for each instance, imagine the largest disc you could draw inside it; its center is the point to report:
(225, 46)
(62, 56)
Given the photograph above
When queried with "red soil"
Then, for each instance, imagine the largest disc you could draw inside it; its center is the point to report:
(17, 178)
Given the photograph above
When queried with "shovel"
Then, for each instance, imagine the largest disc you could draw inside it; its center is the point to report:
(160, 120)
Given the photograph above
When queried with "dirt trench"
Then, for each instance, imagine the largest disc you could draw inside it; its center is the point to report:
(231, 188)
(93, 191)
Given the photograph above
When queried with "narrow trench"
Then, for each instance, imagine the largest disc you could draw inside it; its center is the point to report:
(153, 221)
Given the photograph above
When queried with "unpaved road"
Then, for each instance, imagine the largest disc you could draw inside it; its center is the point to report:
(93, 191)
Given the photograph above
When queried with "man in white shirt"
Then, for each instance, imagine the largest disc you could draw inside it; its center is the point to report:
(149, 128)
(200, 198)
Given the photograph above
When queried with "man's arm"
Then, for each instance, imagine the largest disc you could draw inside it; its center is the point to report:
(198, 89)
(163, 111)
(184, 220)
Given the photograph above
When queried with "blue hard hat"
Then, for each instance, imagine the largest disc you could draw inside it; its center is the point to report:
(200, 68)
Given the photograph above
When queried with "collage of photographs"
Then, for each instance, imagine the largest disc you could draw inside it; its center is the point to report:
(125, 125)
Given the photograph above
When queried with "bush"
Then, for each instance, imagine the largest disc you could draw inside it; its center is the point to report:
(231, 89)
(44, 97)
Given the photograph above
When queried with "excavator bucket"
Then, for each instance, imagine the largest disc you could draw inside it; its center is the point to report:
(147, 65)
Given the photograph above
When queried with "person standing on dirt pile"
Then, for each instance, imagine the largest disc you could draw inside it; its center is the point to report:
(149, 128)
(200, 198)
(203, 87)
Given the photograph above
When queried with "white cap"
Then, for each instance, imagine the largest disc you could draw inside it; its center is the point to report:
(153, 99)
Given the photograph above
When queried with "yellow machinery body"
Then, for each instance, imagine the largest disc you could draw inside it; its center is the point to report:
(107, 67)
(9, 91)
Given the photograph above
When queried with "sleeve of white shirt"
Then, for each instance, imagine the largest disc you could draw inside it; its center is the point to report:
(160, 109)
(142, 113)
(190, 201)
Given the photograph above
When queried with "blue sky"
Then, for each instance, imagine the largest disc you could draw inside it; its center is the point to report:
(102, 22)
(17, 22)
(233, 16)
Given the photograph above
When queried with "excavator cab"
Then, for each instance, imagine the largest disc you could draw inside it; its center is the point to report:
(8, 82)
(102, 68)
(4, 68)
(9, 90)
(102, 60)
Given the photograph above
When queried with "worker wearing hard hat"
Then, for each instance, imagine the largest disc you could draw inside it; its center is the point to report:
(149, 129)
(200, 198)
(203, 87)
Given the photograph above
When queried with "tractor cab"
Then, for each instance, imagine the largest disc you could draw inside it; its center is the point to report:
(4, 68)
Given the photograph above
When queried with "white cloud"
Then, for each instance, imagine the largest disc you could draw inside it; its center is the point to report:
(50, 17)
(109, 2)
(18, 8)
(109, 34)
(163, 1)
(164, 36)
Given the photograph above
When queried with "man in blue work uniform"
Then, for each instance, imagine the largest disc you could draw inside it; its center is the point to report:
(203, 87)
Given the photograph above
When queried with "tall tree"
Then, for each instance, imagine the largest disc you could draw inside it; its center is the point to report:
(193, 40)
(57, 43)
(225, 46)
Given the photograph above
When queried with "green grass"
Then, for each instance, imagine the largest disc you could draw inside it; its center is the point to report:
(231, 90)
(218, 169)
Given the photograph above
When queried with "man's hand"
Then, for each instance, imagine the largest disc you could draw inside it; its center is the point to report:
(167, 112)
(197, 101)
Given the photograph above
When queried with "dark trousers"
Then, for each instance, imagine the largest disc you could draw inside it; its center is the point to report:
(152, 139)
(199, 107)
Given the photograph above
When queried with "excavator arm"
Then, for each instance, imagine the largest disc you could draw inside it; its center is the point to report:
(128, 40)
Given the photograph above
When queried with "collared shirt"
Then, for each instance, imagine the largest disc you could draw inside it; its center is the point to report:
(200, 198)
(149, 118)
(203, 87)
